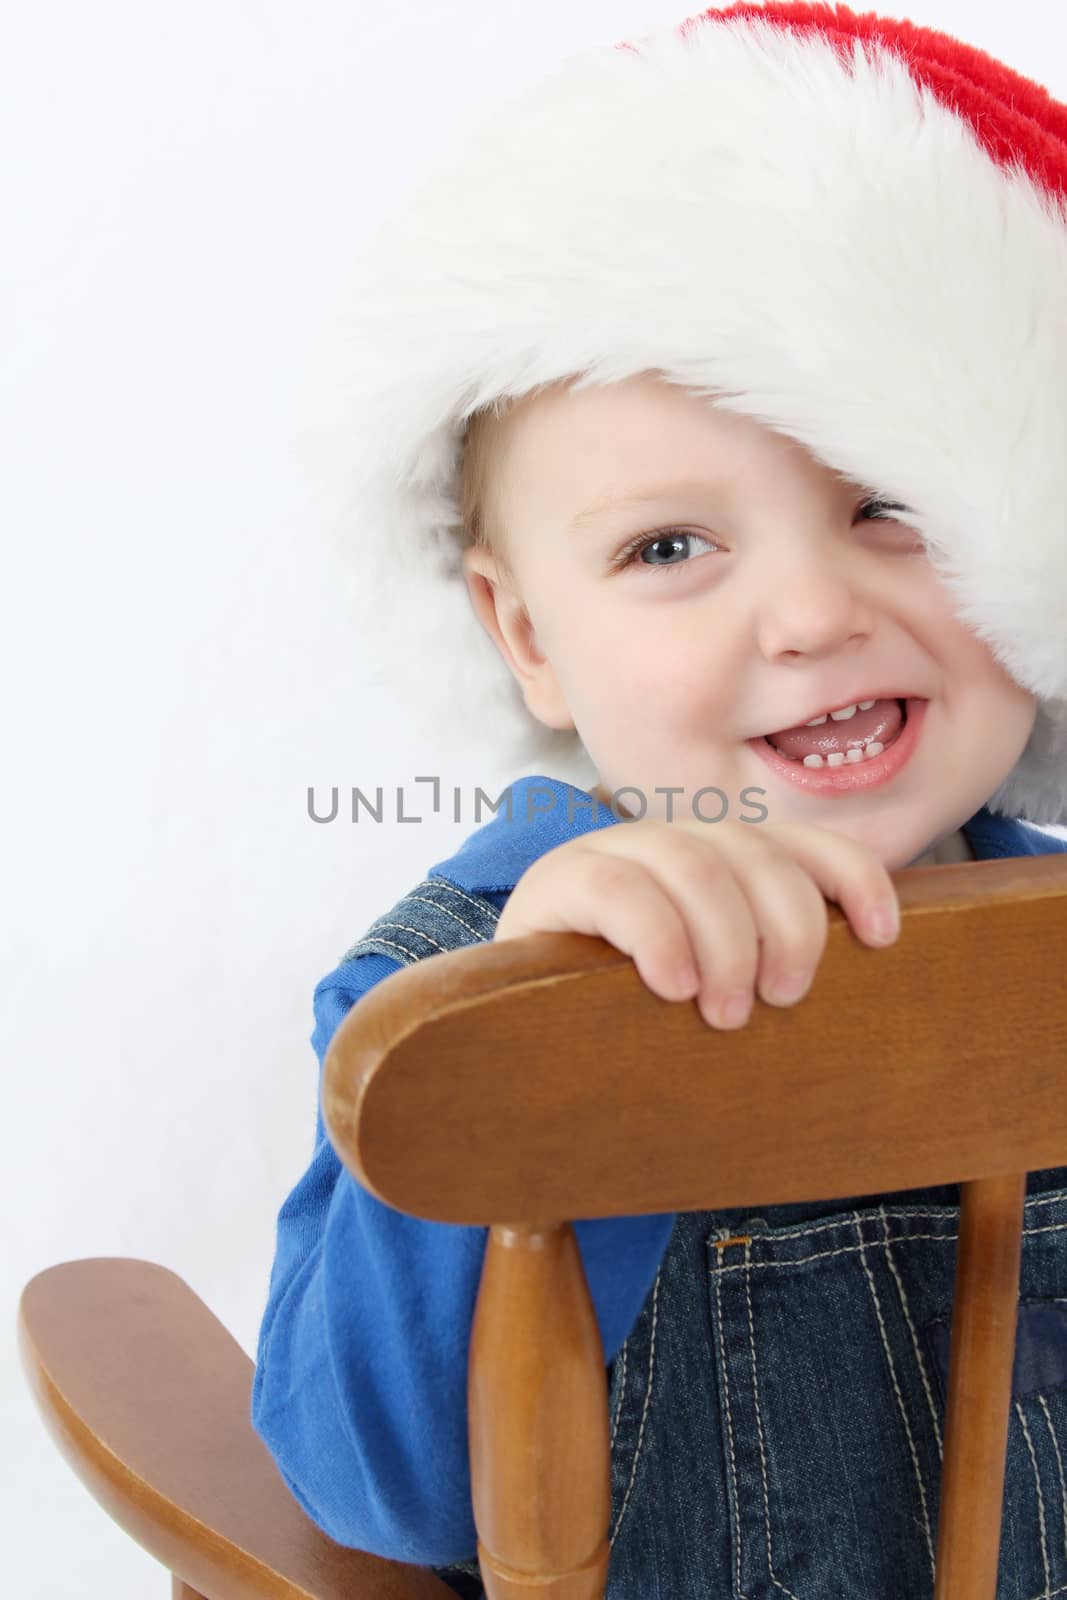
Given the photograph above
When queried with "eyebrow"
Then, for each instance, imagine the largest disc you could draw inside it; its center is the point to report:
(664, 491)
(643, 496)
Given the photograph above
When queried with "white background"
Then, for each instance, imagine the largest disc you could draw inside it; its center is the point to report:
(182, 189)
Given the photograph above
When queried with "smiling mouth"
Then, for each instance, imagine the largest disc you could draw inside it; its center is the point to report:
(865, 733)
(838, 758)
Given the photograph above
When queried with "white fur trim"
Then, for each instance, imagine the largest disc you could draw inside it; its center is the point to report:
(817, 244)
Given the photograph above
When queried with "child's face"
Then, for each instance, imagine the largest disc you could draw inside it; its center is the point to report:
(784, 603)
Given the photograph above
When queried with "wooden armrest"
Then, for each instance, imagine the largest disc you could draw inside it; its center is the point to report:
(148, 1397)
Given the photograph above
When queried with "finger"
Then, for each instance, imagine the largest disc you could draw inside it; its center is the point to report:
(849, 874)
(789, 913)
(700, 883)
(615, 897)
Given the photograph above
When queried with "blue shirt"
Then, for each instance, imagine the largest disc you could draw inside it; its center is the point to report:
(360, 1384)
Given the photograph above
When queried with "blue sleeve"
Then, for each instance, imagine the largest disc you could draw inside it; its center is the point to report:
(360, 1387)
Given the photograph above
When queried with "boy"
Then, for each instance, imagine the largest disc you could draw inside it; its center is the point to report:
(783, 267)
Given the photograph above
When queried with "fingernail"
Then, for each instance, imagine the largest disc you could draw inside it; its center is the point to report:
(885, 924)
(788, 988)
(735, 1009)
(686, 980)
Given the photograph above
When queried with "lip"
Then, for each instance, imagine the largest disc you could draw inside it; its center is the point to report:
(850, 776)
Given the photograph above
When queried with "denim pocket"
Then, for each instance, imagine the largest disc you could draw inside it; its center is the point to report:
(832, 1403)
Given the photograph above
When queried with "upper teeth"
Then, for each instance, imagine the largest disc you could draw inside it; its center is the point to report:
(842, 715)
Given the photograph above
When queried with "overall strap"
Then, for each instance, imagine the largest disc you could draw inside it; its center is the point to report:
(434, 917)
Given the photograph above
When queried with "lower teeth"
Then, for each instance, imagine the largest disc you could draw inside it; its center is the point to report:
(838, 758)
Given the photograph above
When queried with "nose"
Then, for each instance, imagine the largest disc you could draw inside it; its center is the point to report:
(811, 608)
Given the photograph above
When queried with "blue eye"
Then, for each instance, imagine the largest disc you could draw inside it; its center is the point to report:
(670, 540)
(674, 542)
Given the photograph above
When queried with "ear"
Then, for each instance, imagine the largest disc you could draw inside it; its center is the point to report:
(506, 620)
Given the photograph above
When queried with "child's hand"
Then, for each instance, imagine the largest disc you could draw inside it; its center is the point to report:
(737, 904)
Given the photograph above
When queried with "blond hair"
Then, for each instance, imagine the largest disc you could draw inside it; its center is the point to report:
(482, 523)
(481, 511)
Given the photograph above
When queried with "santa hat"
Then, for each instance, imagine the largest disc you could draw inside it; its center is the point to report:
(851, 229)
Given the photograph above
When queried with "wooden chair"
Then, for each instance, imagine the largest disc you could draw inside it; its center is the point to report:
(506, 1056)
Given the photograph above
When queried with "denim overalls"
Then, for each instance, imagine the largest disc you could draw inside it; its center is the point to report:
(778, 1410)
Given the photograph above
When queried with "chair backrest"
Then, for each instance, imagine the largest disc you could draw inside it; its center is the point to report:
(471, 1088)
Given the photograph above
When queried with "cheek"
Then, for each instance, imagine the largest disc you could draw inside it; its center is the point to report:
(973, 655)
(972, 661)
(948, 636)
(1016, 707)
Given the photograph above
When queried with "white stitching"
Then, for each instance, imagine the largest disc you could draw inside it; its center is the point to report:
(644, 1413)
(1059, 1198)
(443, 883)
(911, 1329)
(1040, 1496)
(404, 927)
(842, 1250)
(759, 1425)
(428, 883)
(835, 1222)
(618, 1398)
(404, 951)
(871, 1244)
(900, 1397)
(447, 913)
(1059, 1466)
(729, 1434)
